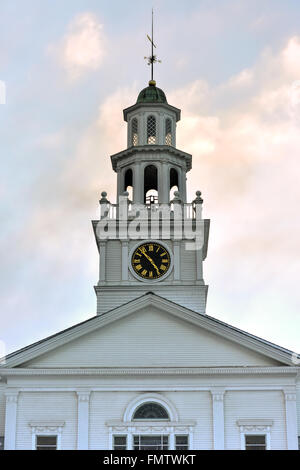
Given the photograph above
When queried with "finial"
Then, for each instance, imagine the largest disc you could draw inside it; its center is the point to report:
(177, 198)
(103, 199)
(198, 199)
(152, 59)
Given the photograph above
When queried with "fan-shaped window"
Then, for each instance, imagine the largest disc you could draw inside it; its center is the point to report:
(168, 132)
(150, 411)
(134, 132)
(151, 130)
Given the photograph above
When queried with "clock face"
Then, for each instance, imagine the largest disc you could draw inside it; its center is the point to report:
(151, 260)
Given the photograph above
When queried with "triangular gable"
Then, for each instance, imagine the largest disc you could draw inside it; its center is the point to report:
(150, 331)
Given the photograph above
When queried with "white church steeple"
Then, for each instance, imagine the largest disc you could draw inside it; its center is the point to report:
(136, 258)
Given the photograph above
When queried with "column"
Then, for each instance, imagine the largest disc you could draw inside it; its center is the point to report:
(120, 183)
(130, 439)
(291, 419)
(182, 185)
(138, 183)
(124, 260)
(83, 401)
(171, 439)
(218, 418)
(164, 184)
(11, 419)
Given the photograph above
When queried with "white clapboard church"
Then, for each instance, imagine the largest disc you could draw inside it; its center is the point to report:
(151, 370)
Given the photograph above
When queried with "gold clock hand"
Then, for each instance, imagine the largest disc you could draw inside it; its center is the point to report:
(150, 259)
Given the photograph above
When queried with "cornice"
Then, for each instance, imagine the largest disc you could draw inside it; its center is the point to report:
(115, 371)
(151, 149)
(138, 106)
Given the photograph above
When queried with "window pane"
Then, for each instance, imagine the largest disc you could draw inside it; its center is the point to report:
(151, 130)
(151, 442)
(151, 411)
(134, 130)
(168, 132)
(181, 442)
(255, 442)
(46, 442)
(120, 442)
(255, 439)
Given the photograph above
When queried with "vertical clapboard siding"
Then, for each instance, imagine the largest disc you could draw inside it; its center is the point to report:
(250, 405)
(47, 406)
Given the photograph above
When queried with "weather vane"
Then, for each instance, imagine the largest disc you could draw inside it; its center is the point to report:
(152, 59)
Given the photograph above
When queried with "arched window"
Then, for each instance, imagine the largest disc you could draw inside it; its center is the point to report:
(128, 182)
(134, 132)
(149, 411)
(174, 186)
(168, 132)
(150, 184)
(151, 130)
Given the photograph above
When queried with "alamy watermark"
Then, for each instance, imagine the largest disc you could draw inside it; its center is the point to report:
(128, 221)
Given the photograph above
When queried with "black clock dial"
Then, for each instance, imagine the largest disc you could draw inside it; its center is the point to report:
(151, 260)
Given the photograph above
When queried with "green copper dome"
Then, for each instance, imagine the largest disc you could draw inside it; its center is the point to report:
(152, 94)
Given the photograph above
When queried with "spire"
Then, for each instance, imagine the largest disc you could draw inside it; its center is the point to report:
(152, 59)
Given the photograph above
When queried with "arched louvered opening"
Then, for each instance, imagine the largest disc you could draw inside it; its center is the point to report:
(150, 184)
(150, 411)
(151, 130)
(168, 132)
(174, 184)
(134, 132)
(128, 182)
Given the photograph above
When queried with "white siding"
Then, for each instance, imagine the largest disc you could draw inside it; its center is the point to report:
(150, 338)
(193, 406)
(196, 406)
(105, 406)
(192, 297)
(47, 406)
(2, 409)
(250, 405)
(188, 264)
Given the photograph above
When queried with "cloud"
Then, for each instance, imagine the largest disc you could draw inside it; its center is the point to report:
(245, 140)
(84, 46)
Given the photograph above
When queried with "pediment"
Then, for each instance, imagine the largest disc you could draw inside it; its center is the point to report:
(150, 332)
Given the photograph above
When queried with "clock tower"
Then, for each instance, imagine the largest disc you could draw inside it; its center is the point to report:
(151, 239)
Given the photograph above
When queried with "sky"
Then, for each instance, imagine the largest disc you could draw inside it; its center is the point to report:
(68, 70)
